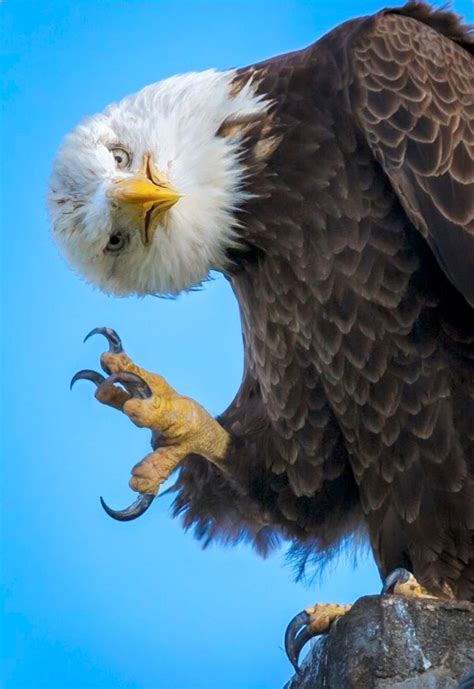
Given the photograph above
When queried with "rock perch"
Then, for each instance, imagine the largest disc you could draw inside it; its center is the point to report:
(392, 642)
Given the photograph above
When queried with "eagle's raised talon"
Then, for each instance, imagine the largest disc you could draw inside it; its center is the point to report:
(133, 511)
(87, 374)
(134, 385)
(149, 402)
(105, 393)
(115, 343)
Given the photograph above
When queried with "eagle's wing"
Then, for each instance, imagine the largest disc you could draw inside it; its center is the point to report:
(413, 93)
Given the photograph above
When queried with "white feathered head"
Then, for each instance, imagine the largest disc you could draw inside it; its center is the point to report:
(143, 196)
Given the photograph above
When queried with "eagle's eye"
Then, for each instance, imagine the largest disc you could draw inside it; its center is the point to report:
(121, 156)
(116, 242)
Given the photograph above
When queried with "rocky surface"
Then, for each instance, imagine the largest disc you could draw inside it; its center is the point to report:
(392, 642)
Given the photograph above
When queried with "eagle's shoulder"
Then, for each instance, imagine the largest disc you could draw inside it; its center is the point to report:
(443, 22)
(412, 96)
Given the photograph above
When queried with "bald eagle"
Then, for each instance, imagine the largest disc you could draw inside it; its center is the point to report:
(334, 189)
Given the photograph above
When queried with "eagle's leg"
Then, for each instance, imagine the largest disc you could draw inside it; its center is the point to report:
(312, 621)
(183, 426)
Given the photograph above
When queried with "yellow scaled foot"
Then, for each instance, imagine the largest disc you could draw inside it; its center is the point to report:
(310, 622)
(184, 427)
(401, 582)
(322, 615)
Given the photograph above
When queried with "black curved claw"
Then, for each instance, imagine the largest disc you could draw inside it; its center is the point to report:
(398, 576)
(133, 384)
(115, 343)
(296, 636)
(136, 509)
(87, 374)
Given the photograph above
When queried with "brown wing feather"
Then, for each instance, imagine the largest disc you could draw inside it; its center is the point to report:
(415, 101)
(314, 504)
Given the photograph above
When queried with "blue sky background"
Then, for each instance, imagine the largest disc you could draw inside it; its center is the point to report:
(89, 602)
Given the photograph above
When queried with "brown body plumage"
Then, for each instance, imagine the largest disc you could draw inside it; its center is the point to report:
(356, 295)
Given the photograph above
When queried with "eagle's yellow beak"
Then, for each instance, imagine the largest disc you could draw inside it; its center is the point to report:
(140, 191)
(149, 192)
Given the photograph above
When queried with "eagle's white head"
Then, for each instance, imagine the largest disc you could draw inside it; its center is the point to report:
(143, 196)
